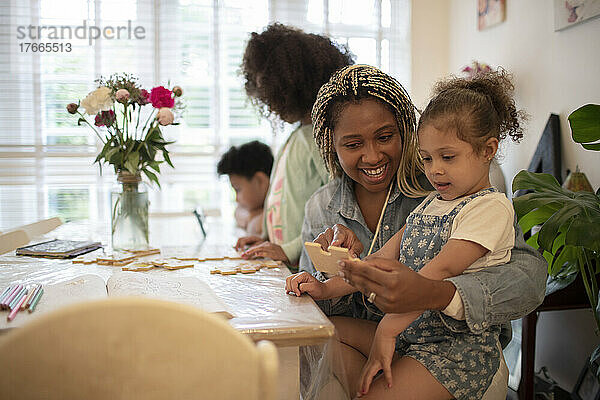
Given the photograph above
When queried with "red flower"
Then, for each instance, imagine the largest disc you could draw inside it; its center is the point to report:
(161, 97)
(105, 118)
(144, 97)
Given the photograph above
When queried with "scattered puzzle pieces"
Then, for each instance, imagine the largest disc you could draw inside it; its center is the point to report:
(246, 267)
(326, 261)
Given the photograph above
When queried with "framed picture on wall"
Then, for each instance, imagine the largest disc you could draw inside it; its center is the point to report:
(571, 12)
(490, 13)
(587, 386)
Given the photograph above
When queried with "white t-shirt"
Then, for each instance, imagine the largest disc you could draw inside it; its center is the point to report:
(487, 220)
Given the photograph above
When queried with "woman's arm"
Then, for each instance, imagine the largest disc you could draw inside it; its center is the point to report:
(491, 296)
(499, 294)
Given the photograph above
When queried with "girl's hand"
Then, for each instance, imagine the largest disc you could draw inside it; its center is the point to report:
(266, 249)
(340, 236)
(246, 241)
(380, 358)
(303, 282)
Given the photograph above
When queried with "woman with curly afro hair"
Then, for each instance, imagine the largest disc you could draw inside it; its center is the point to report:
(284, 68)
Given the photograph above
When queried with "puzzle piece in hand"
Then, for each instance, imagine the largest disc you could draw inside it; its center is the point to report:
(326, 261)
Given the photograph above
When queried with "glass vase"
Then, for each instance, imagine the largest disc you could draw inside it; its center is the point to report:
(129, 215)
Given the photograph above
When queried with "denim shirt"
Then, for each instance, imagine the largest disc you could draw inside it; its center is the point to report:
(491, 296)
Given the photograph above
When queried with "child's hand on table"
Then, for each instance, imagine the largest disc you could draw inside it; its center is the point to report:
(268, 250)
(303, 282)
(247, 241)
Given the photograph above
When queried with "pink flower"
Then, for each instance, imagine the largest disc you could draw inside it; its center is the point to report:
(105, 118)
(144, 97)
(161, 97)
(165, 116)
(122, 95)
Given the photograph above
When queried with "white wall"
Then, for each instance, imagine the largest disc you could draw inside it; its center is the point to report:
(554, 72)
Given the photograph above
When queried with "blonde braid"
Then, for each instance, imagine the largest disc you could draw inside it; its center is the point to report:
(354, 83)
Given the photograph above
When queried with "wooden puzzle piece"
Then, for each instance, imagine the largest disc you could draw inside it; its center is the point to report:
(115, 259)
(326, 261)
(181, 258)
(248, 269)
(86, 260)
(143, 253)
(180, 265)
(139, 267)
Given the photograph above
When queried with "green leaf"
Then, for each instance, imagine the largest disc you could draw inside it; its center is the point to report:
(151, 176)
(585, 124)
(532, 241)
(595, 357)
(155, 165)
(532, 180)
(567, 254)
(536, 217)
(80, 121)
(167, 158)
(555, 224)
(555, 284)
(592, 146)
(585, 231)
(131, 164)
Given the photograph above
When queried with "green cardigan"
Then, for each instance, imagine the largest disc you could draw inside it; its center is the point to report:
(304, 173)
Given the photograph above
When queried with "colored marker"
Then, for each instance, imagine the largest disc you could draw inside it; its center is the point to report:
(36, 300)
(16, 309)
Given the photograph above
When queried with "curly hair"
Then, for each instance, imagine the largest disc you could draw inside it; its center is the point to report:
(246, 160)
(284, 68)
(476, 108)
(351, 85)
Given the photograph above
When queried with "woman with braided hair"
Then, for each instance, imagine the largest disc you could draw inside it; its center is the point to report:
(365, 128)
(284, 68)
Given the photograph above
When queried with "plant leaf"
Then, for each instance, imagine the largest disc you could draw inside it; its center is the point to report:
(131, 164)
(585, 124)
(555, 284)
(567, 254)
(536, 181)
(151, 176)
(585, 231)
(167, 158)
(555, 224)
(536, 217)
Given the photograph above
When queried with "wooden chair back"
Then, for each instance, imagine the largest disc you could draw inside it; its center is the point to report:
(134, 348)
(9, 241)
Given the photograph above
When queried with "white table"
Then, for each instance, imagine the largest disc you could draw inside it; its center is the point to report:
(261, 307)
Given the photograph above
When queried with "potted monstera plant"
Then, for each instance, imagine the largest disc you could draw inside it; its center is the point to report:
(568, 222)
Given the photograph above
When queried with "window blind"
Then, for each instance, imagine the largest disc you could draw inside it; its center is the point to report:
(46, 159)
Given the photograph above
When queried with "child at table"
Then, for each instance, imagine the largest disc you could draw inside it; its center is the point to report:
(248, 167)
(283, 69)
(464, 225)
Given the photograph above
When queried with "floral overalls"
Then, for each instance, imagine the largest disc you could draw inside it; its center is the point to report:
(463, 362)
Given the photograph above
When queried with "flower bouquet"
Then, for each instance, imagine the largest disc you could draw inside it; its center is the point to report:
(476, 68)
(132, 140)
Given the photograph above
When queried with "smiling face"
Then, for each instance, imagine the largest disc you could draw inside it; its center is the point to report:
(452, 166)
(368, 144)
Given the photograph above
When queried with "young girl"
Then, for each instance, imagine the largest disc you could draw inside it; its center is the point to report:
(283, 69)
(458, 137)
